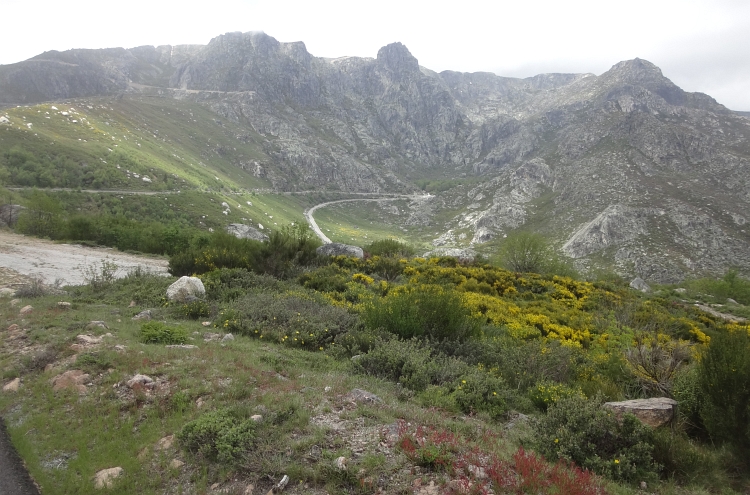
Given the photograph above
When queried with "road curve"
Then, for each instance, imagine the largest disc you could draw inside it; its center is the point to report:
(391, 197)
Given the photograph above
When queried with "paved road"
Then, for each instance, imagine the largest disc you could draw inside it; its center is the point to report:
(14, 479)
(313, 224)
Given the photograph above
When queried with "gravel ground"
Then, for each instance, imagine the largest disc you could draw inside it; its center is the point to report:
(23, 257)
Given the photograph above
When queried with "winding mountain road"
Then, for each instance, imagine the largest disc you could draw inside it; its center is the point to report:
(391, 197)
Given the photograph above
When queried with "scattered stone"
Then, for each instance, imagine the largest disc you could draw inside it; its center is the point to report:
(327, 389)
(120, 348)
(164, 443)
(242, 231)
(63, 305)
(176, 464)
(338, 249)
(654, 412)
(206, 323)
(363, 396)
(26, 310)
(184, 287)
(7, 292)
(15, 302)
(199, 402)
(140, 379)
(723, 316)
(132, 304)
(143, 315)
(518, 419)
(639, 284)
(209, 336)
(458, 253)
(96, 324)
(248, 490)
(731, 301)
(181, 346)
(105, 478)
(644, 486)
(478, 471)
(340, 463)
(72, 379)
(227, 337)
(12, 386)
(279, 486)
(356, 357)
(88, 340)
(680, 290)
(13, 328)
(257, 418)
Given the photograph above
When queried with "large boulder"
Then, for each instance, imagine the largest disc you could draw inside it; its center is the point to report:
(338, 249)
(242, 231)
(185, 289)
(654, 412)
(9, 214)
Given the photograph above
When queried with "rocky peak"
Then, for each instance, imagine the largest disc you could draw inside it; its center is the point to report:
(639, 72)
(397, 58)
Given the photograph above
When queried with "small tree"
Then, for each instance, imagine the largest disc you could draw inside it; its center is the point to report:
(525, 252)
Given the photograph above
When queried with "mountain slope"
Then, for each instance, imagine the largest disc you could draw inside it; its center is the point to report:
(624, 169)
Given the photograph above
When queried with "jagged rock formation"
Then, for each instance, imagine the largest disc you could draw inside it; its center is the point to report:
(622, 169)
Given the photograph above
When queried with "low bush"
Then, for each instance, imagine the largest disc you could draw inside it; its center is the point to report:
(579, 430)
(221, 436)
(428, 311)
(155, 332)
(389, 247)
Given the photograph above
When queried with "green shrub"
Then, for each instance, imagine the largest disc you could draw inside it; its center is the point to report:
(579, 430)
(155, 332)
(330, 278)
(93, 362)
(389, 247)
(687, 461)
(481, 391)
(221, 436)
(427, 312)
(412, 363)
(724, 381)
(195, 309)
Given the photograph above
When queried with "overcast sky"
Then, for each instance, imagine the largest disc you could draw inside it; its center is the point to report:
(701, 45)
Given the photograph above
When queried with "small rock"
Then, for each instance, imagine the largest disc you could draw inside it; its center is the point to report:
(327, 389)
(120, 348)
(143, 315)
(181, 346)
(338, 249)
(731, 301)
(363, 396)
(340, 463)
(680, 290)
(12, 386)
(248, 490)
(639, 284)
(105, 477)
(26, 310)
(72, 379)
(279, 486)
(7, 292)
(257, 418)
(208, 336)
(356, 357)
(63, 305)
(176, 464)
(88, 340)
(140, 379)
(15, 302)
(164, 443)
(206, 323)
(13, 328)
(478, 471)
(644, 486)
(227, 337)
(199, 402)
(96, 324)
(132, 304)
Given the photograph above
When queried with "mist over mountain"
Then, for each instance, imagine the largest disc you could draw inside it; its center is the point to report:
(622, 170)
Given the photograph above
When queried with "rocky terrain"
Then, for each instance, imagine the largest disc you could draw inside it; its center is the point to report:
(622, 170)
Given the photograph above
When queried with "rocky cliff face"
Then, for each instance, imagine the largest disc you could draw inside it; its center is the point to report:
(623, 167)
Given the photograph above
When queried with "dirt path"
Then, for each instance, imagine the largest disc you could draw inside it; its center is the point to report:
(14, 479)
(23, 257)
(314, 225)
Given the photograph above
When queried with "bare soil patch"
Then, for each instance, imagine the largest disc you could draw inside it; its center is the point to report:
(22, 258)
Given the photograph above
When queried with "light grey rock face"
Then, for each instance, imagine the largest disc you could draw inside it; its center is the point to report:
(459, 254)
(242, 231)
(185, 288)
(337, 249)
(654, 412)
